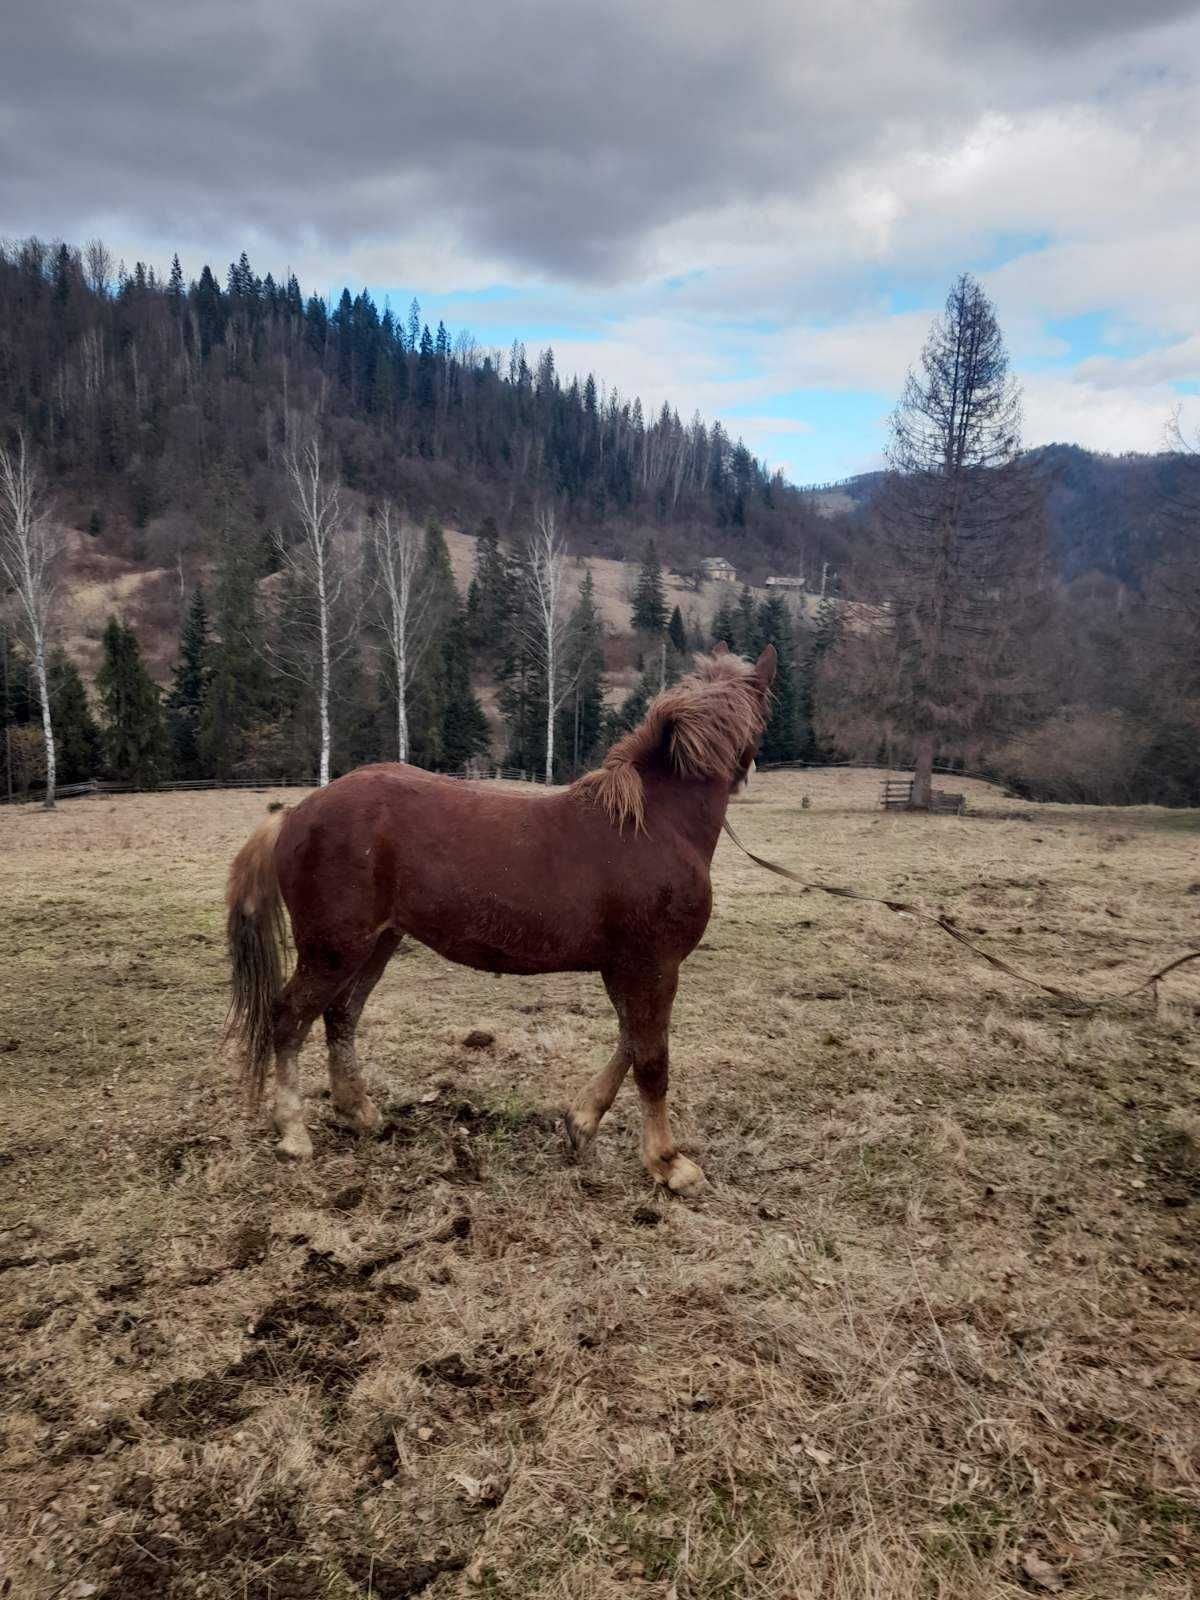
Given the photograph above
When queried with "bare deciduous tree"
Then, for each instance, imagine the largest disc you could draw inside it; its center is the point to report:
(404, 607)
(317, 563)
(30, 548)
(545, 623)
(958, 520)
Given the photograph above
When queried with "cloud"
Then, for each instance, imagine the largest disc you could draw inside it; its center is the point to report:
(724, 206)
(554, 137)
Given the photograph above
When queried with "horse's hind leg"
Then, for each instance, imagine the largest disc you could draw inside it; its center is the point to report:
(643, 1002)
(302, 1000)
(350, 1098)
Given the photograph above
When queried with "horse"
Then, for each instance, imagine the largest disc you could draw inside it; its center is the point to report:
(610, 874)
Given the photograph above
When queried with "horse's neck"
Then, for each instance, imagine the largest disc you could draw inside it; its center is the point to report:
(693, 807)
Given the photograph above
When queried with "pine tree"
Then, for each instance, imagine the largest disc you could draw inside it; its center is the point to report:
(79, 748)
(464, 726)
(237, 696)
(649, 600)
(581, 716)
(522, 688)
(185, 702)
(490, 596)
(781, 737)
(429, 691)
(725, 625)
(826, 635)
(134, 736)
(677, 633)
(630, 712)
(747, 623)
(958, 536)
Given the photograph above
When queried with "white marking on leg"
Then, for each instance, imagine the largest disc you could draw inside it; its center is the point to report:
(294, 1141)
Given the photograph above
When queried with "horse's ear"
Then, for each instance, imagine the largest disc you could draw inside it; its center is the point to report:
(764, 667)
(720, 648)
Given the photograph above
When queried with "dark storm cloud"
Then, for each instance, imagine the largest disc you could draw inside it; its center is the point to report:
(552, 135)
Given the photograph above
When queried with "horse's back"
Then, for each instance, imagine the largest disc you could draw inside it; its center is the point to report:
(506, 880)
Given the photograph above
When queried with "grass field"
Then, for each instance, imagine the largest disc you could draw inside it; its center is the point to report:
(932, 1329)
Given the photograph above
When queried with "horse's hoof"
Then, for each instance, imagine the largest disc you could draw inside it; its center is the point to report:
(368, 1118)
(295, 1145)
(578, 1136)
(683, 1177)
(363, 1119)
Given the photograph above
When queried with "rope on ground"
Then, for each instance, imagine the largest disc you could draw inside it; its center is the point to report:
(905, 908)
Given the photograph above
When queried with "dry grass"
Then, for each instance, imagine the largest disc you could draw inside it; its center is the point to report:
(931, 1331)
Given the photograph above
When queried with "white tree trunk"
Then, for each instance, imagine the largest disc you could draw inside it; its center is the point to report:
(29, 551)
(551, 706)
(402, 704)
(320, 564)
(323, 622)
(403, 609)
(39, 663)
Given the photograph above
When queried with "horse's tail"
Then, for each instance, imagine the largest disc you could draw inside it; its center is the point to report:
(257, 938)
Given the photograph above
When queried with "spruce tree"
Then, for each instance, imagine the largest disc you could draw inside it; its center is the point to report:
(781, 737)
(747, 623)
(630, 712)
(237, 694)
(491, 591)
(649, 600)
(725, 625)
(185, 702)
(825, 637)
(522, 688)
(134, 737)
(464, 726)
(581, 716)
(677, 633)
(428, 687)
(79, 748)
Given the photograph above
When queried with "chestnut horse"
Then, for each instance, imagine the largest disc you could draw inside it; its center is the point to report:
(608, 875)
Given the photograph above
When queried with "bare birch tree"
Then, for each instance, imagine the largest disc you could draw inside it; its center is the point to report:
(404, 607)
(30, 547)
(317, 564)
(545, 623)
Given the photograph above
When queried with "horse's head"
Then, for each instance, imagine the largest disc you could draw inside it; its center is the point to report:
(762, 677)
(708, 725)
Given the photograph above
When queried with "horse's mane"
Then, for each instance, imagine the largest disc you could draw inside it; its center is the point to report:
(698, 728)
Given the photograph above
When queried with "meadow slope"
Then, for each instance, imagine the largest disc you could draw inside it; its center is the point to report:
(931, 1330)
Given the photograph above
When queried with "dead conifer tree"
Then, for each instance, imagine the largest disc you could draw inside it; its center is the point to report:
(959, 526)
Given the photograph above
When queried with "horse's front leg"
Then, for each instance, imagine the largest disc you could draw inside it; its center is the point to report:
(583, 1119)
(643, 1001)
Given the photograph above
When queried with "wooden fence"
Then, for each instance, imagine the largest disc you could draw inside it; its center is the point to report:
(101, 786)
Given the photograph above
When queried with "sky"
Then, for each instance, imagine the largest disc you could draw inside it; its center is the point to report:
(753, 210)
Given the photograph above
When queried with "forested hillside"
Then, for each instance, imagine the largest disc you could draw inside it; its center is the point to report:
(138, 390)
(1116, 516)
(164, 416)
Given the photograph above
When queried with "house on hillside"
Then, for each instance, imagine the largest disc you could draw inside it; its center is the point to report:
(786, 583)
(717, 570)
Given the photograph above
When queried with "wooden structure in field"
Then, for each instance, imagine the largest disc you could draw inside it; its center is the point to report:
(896, 794)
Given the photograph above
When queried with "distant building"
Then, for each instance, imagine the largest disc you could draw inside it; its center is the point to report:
(786, 583)
(717, 570)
